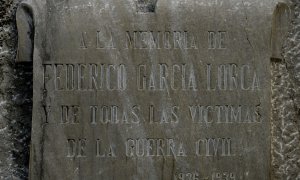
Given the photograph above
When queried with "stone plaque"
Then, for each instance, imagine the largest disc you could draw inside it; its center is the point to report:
(150, 89)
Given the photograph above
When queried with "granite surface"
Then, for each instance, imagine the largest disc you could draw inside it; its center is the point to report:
(16, 93)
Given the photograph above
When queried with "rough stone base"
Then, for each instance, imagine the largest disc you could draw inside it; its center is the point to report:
(286, 105)
(15, 100)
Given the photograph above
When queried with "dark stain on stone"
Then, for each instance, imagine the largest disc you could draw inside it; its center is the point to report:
(146, 6)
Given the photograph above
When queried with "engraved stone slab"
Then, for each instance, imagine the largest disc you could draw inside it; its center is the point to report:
(141, 89)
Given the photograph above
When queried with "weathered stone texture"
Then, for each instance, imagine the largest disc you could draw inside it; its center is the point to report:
(15, 102)
(286, 105)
